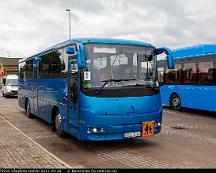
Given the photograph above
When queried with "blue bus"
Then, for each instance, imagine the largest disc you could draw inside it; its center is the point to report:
(95, 89)
(192, 84)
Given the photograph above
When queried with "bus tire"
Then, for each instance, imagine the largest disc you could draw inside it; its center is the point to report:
(56, 125)
(28, 108)
(175, 102)
(3, 95)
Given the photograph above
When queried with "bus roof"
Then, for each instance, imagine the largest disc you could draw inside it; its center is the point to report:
(194, 51)
(90, 40)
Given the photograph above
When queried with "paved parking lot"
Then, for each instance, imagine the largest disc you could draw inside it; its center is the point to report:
(187, 140)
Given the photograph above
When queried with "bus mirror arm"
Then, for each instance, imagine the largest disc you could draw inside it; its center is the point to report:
(70, 50)
(81, 57)
(168, 52)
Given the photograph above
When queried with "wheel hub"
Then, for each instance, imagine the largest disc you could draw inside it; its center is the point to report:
(176, 101)
(58, 121)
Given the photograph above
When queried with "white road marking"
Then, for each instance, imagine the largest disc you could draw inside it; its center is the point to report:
(42, 148)
(170, 112)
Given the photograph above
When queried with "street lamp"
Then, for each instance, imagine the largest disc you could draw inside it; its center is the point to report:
(68, 10)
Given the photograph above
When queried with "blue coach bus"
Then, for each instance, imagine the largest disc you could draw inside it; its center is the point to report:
(95, 89)
(192, 84)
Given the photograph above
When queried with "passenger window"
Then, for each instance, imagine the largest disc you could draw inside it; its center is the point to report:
(206, 73)
(21, 70)
(174, 76)
(189, 73)
(28, 69)
(44, 66)
(161, 74)
(54, 64)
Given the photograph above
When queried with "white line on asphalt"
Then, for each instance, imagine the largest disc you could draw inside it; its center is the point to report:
(170, 112)
(42, 148)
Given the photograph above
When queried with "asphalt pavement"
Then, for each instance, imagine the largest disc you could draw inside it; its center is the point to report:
(187, 140)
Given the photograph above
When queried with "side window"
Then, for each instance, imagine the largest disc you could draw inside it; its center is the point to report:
(189, 73)
(44, 66)
(54, 64)
(174, 76)
(21, 70)
(161, 74)
(206, 73)
(28, 69)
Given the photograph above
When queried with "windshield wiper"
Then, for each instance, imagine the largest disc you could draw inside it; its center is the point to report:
(111, 80)
(144, 85)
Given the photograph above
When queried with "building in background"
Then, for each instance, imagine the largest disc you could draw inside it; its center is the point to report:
(8, 66)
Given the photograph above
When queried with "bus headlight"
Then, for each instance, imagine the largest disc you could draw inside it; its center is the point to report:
(91, 130)
(157, 124)
(95, 130)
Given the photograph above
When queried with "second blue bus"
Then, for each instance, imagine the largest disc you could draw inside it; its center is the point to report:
(192, 84)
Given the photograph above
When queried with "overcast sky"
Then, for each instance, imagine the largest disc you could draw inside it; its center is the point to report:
(28, 26)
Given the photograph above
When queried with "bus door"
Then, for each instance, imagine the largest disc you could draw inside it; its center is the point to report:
(35, 88)
(73, 113)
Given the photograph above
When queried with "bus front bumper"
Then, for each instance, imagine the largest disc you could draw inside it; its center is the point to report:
(120, 131)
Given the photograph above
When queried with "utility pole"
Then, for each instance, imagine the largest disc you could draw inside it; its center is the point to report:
(69, 14)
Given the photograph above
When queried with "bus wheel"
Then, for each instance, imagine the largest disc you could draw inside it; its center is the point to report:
(176, 102)
(3, 95)
(28, 108)
(57, 125)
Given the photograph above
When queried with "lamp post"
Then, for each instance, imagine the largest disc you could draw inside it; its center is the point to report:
(68, 10)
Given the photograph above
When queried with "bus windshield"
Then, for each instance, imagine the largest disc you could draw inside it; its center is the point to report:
(119, 65)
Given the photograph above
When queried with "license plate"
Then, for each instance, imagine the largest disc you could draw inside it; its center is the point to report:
(132, 134)
(148, 129)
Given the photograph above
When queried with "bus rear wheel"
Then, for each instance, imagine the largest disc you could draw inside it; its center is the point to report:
(175, 102)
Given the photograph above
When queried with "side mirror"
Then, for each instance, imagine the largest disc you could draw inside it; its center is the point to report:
(70, 50)
(168, 52)
(81, 58)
